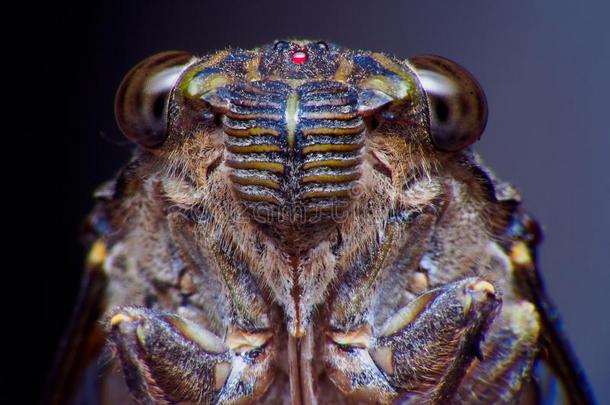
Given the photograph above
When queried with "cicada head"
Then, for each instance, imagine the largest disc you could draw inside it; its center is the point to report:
(301, 133)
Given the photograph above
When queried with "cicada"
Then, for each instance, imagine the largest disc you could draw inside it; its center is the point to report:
(303, 223)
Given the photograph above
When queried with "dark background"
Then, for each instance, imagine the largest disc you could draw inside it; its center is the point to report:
(545, 67)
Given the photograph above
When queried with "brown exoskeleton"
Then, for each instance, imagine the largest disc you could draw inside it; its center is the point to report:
(303, 223)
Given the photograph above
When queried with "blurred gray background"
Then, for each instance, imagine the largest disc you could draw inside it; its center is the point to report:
(545, 66)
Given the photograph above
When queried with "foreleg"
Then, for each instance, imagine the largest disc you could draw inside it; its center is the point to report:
(167, 359)
(421, 353)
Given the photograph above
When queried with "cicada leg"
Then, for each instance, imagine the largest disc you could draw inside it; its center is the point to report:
(167, 359)
(421, 352)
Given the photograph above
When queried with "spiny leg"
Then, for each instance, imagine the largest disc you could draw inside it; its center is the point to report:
(167, 359)
(421, 352)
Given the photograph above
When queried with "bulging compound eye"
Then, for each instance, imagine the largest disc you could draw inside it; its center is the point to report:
(458, 107)
(140, 106)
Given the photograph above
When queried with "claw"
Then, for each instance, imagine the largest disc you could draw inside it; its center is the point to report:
(482, 286)
(241, 341)
(359, 337)
(221, 373)
(479, 291)
(119, 318)
(205, 339)
(382, 356)
(407, 314)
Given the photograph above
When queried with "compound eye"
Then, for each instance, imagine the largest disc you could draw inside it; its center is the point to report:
(458, 107)
(141, 102)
